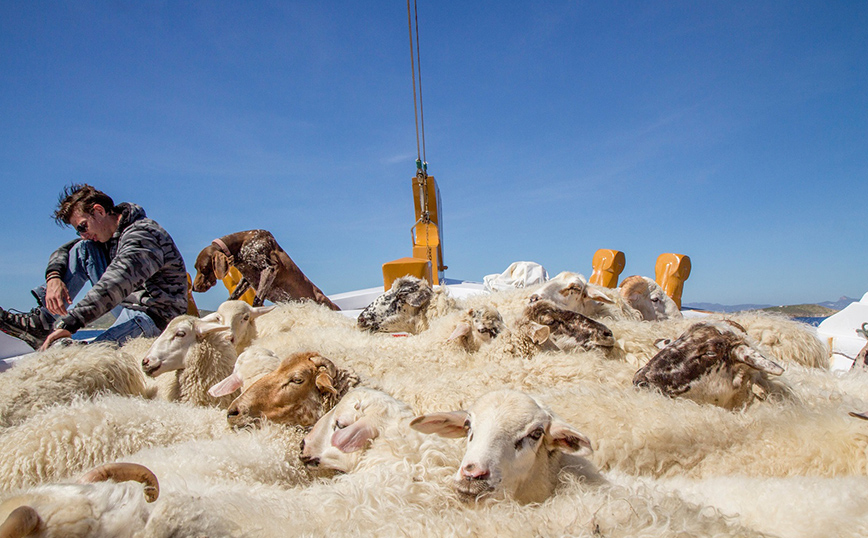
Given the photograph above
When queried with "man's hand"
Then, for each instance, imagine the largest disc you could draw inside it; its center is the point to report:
(56, 335)
(56, 297)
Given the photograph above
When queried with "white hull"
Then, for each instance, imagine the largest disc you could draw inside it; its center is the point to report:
(839, 333)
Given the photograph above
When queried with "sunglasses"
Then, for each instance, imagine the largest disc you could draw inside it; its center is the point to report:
(81, 228)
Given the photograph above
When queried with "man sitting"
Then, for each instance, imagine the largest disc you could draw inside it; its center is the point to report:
(135, 269)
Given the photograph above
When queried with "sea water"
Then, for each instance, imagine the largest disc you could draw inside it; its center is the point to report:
(813, 322)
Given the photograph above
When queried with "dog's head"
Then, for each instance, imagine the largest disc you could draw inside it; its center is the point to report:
(211, 264)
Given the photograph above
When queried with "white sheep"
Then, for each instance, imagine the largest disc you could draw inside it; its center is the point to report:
(241, 318)
(253, 363)
(341, 436)
(646, 296)
(402, 487)
(60, 441)
(516, 448)
(104, 503)
(573, 292)
(200, 353)
(62, 374)
(790, 507)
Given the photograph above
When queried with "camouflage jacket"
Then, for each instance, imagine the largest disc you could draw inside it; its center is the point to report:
(145, 272)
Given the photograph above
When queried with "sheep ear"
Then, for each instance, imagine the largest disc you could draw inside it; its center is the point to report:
(563, 437)
(571, 288)
(449, 424)
(221, 264)
(355, 436)
(213, 316)
(539, 333)
(597, 295)
(419, 298)
(257, 311)
(324, 382)
(227, 386)
(462, 329)
(745, 354)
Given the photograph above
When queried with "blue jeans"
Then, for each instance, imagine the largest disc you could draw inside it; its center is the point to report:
(87, 263)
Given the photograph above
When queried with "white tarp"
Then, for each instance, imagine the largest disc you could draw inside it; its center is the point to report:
(517, 275)
(839, 331)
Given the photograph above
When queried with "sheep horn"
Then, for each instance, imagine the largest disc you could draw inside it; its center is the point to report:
(20, 522)
(121, 472)
(633, 284)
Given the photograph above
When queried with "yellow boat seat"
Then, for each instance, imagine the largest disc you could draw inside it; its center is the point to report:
(608, 265)
(671, 271)
(395, 269)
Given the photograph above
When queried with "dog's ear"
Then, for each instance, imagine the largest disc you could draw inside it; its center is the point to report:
(221, 265)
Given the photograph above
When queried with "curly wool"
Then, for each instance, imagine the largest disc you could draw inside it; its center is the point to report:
(62, 374)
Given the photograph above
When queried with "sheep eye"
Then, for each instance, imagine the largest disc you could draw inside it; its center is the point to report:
(534, 436)
(339, 426)
(655, 299)
(180, 334)
(246, 317)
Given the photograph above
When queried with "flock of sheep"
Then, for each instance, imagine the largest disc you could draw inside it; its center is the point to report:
(557, 409)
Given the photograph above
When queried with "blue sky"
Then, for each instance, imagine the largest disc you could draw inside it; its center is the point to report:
(734, 132)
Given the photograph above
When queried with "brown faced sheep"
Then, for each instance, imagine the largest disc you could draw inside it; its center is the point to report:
(303, 388)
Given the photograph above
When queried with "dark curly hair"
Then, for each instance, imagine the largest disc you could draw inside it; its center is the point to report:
(81, 197)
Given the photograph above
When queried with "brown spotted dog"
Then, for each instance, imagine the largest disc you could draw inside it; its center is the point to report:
(262, 264)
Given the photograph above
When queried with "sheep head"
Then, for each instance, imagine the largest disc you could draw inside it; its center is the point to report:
(569, 329)
(252, 363)
(514, 446)
(570, 291)
(477, 327)
(338, 439)
(240, 317)
(397, 310)
(169, 351)
(299, 391)
(648, 298)
(712, 362)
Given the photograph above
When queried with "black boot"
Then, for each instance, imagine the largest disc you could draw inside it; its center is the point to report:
(32, 327)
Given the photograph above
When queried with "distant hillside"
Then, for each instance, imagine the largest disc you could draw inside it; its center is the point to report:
(840, 304)
(803, 310)
(715, 307)
(818, 310)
